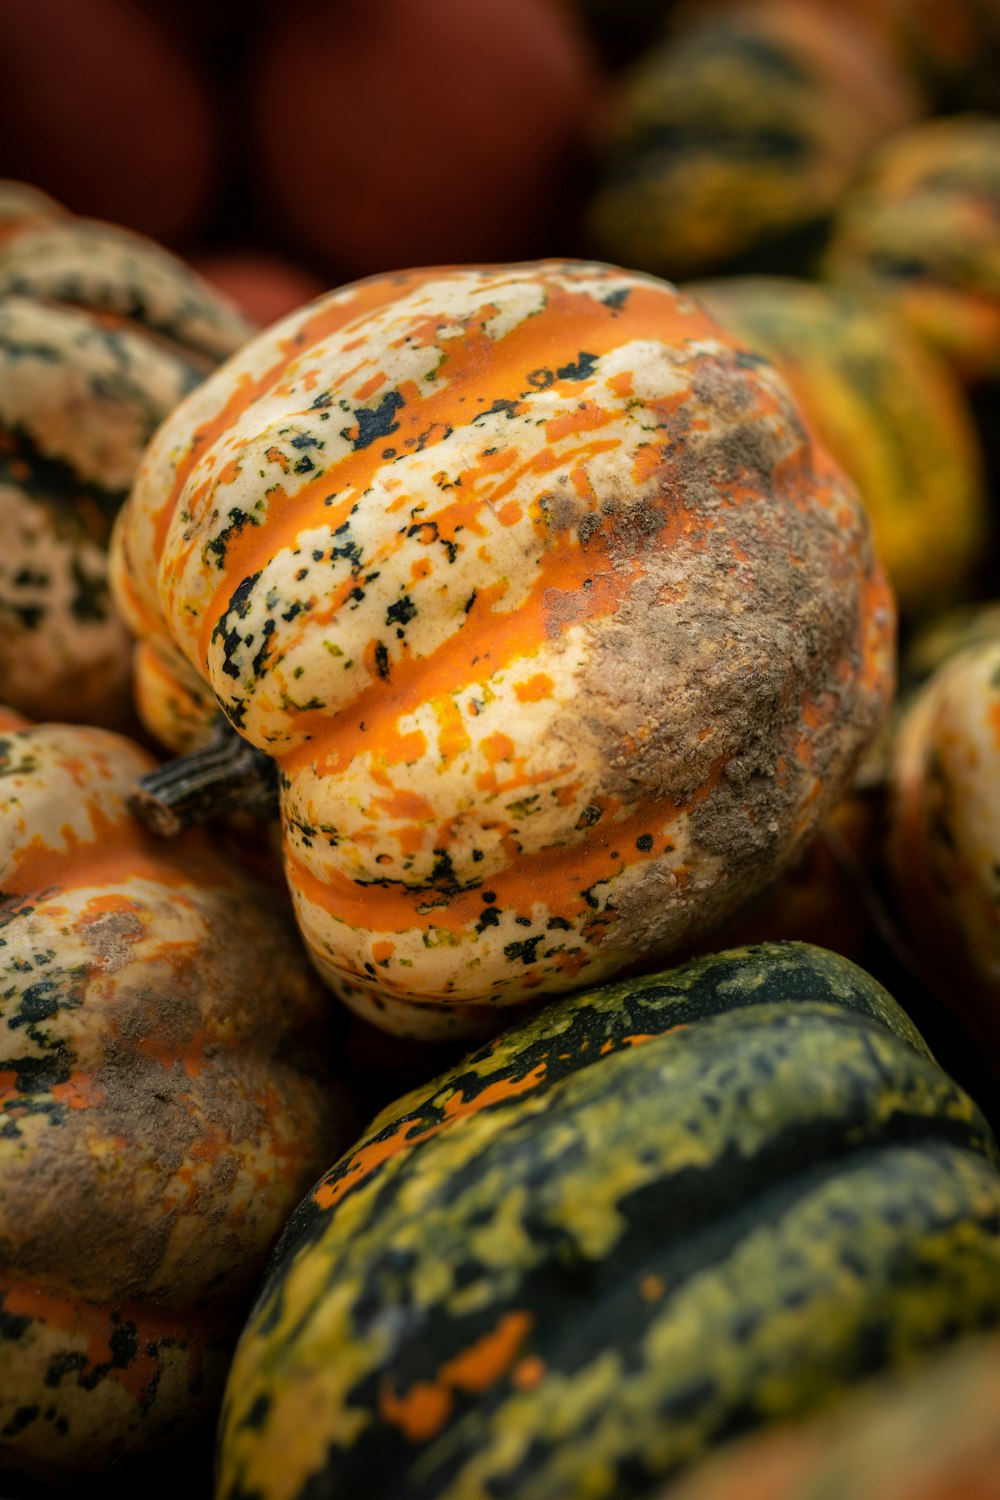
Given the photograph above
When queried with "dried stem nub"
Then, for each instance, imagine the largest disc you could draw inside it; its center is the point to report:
(226, 775)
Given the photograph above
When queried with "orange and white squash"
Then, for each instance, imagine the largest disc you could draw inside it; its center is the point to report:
(944, 834)
(101, 334)
(165, 1099)
(561, 630)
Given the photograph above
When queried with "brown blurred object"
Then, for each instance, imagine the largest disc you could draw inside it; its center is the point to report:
(99, 107)
(264, 286)
(416, 132)
(950, 47)
(929, 1434)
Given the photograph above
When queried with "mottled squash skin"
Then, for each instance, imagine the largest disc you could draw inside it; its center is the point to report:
(943, 845)
(928, 1434)
(920, 233)
(731, 141)
(655, 1216)
(164, 1101)
(101, 334)
(889, 409)
(561, 630)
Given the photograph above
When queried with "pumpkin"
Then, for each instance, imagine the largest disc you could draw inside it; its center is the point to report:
(732, 140)
(891, 412)
(919, 233)
(559, 632)
(166, 1096)
(418, 130)
(101, 106)
(655, 1215)
(101, 334)
(943, 842)
(927, 1434)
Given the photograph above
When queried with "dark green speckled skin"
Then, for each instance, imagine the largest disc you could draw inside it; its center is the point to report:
(656, 1215)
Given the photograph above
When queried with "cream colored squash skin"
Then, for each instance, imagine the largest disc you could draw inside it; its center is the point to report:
(562, 632)
(944, 833)
(101, 334)
(164, 1102)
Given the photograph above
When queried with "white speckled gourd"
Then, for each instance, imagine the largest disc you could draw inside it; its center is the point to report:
(944, 833)
(101, 334)
(562, 632)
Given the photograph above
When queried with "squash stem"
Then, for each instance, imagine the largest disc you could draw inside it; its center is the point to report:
(226, 775)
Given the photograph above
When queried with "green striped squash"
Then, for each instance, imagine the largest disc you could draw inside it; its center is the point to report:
(892, 413)
(729, 143)
(918, 232)
(658, 1214)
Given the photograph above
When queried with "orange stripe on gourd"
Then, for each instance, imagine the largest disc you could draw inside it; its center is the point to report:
(475, 365)
(595, 579)
(426, 1407)
(116, 851)
(98, 1326)
(556, 876)
(333, 315)
(408, 1133)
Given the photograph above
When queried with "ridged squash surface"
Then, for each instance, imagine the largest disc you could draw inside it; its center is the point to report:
(102, 332)
(654, 1216)
(562, 630)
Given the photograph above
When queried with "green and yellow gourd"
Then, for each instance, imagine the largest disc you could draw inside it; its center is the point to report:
(731, 141)
(101, 334)
(656, 1215)
(560, 631)
(166, 1096)
(949, 48)
(889, 409)
(920, 233)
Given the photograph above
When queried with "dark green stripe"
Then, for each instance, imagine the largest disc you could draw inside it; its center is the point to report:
(573, 1033)
(579, 1318)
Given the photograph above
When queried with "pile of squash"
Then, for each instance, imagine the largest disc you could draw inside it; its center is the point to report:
(499, 812)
